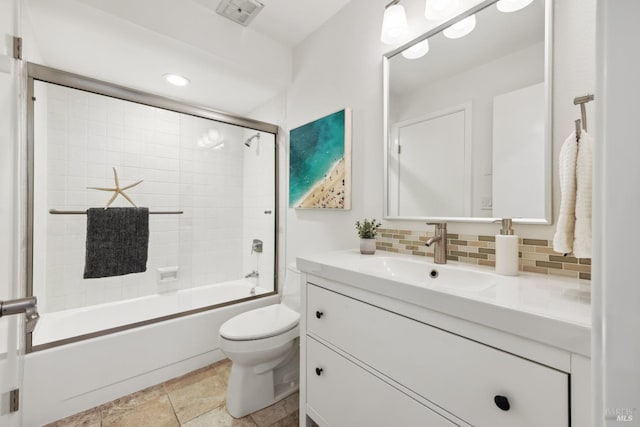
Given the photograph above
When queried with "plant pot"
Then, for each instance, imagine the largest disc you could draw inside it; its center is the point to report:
(368, 246)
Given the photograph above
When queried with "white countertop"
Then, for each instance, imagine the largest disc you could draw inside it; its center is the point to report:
(549, 309)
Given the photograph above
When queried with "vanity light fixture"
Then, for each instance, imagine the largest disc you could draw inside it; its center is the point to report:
(416, 51)
(394, 24)
(440, 10)
(512, 5)
(461, 28)
(176, 79)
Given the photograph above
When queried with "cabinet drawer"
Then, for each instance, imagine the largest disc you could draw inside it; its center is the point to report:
(347, 395)
(460, 375)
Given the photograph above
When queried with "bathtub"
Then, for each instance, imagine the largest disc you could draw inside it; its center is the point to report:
(61, 326)
(62, 380)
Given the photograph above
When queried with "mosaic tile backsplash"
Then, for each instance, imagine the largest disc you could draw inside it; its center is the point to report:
(536, 255)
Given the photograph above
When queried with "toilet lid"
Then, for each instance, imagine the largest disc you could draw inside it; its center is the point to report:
(262, 322)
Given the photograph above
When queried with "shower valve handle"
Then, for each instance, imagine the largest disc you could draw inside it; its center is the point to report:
(256, 246)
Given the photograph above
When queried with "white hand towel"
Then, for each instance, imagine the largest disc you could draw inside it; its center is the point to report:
(563, 239)
(584, 177)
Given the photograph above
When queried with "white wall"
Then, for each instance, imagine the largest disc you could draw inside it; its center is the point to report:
(340, 65)
(616, 342)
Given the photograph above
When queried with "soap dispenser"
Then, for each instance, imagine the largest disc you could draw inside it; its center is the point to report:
(506, 250)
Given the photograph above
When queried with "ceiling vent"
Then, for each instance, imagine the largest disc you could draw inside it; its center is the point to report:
(240, 11)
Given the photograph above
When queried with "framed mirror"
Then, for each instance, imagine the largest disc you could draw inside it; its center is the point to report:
(468, 124)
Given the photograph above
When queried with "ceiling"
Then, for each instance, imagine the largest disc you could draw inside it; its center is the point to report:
(288, 21)
(133, 43)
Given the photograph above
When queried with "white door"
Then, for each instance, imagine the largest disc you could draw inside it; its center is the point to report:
(11, 344)
(429, 145)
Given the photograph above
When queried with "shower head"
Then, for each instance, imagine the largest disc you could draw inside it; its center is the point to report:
(248, 141)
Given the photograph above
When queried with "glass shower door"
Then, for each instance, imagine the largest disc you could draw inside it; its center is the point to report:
(11, 347)
(10, 372)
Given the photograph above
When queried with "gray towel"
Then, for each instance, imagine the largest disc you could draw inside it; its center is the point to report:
(117, 241)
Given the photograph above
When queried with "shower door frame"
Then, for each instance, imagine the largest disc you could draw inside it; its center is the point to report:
(75, 81)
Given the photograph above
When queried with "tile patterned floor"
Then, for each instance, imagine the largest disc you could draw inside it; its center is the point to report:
(196, 399)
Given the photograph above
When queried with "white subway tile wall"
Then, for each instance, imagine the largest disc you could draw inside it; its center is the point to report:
(84, 136)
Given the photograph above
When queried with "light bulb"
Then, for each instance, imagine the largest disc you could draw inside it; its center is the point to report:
(461, 28)
(394, 25)
(512, 5)
(440, 10)
(416, 51)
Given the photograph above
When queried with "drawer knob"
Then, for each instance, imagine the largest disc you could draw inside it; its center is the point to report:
(319, 314)
(319, 371)
(502, 402)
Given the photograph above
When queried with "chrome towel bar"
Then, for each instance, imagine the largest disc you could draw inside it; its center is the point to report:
(57, 212)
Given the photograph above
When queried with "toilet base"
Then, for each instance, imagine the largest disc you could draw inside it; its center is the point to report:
(251, 389)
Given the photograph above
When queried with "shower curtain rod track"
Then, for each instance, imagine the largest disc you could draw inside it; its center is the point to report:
(57, 212)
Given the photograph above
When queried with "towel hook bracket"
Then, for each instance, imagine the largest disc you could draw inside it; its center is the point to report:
(582, 122)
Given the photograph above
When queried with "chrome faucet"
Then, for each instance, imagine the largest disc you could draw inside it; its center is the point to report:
(440, 241)
(254, 273)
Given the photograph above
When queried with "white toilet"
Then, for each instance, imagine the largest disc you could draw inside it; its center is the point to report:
(263, 346)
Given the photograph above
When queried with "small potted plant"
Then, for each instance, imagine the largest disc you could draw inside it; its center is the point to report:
(367, 231)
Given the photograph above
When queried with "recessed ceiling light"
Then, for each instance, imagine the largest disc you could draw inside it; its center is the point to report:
(176, 79)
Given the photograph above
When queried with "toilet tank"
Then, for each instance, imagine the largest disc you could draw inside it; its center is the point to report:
(291, 288)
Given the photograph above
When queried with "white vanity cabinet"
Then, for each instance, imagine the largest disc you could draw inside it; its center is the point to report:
(371, 360)
(345, 394)
(461, 376)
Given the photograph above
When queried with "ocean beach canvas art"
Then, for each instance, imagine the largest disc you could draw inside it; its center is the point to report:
(320, 163)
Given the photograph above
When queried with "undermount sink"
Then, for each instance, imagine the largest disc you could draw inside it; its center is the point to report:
(425, 273)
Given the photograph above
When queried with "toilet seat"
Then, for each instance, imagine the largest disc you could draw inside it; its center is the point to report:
(260, 323)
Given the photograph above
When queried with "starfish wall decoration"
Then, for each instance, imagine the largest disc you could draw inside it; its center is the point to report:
(117, 190)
